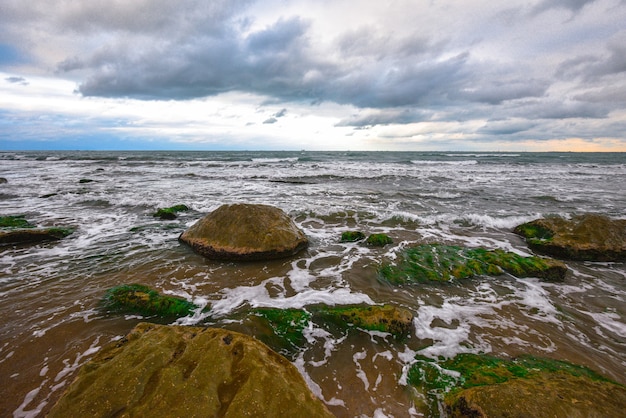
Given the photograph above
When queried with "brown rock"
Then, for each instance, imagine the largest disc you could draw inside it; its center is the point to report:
(245, 232)
(589, 237)
(548, 395)
(177, 371)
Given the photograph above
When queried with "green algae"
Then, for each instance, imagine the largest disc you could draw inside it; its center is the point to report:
(287, 324)
(59, 232)
(533, 230)
(378, 240)
(385, 318)
(17, 221)
(352, 236)
(586, 237)
(470, 370)
(170, 213)
(445, 379)
(442, 263)
(140, 299)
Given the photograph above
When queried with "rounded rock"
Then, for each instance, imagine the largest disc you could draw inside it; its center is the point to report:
(245, 232)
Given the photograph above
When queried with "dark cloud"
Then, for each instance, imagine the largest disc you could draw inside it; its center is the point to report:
(506, 127)
(365, 67)
(499, 90)
(271, 61)
(593, 67)
(571, 5)
(274, 118)
(384, 117)
(566, 109)
(17, 80)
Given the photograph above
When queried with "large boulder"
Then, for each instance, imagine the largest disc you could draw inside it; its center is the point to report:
(479, 385)
(245, 232)
(177, 371)
(588, 237)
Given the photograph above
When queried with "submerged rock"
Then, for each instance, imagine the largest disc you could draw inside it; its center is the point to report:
(386, 318)
(170, 213)
(435, 262)
(176, 371)
(585, 237)
(142, 300)
(378, 240)
(474, 385)
(3, 180)
(245, 232)
(33, 235)
(17, 221)
(17, 230)
(288, 324)
(352, 236)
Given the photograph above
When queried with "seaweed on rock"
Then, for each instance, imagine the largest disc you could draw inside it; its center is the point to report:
(170, 213)
(478, 384)
(442, 263)
(142, 300)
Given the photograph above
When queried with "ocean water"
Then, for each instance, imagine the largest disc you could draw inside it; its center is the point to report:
(51, 322)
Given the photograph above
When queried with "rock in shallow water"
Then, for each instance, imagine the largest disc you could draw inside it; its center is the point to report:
(438, 262)
(176, 371)
(588, 237)
(245, 232)
(472, 385)
(142, 300)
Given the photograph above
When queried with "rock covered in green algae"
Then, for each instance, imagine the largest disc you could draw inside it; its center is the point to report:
(245, 232)
(474, 385)
(177, 371)
(142, 300)
(436, 262)
(386, 318)
(169, 213)
(352, 236)
(288, 324)
(17, 230)
(17, 221)
(378, 240)
(589, 237)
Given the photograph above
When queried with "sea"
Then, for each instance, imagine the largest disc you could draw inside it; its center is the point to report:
(51, 316)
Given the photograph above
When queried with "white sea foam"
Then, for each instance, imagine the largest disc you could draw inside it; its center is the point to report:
(275, 160)
(22, 412)
(315, 388)
(437, 162)
(356, 357)
(258, 297)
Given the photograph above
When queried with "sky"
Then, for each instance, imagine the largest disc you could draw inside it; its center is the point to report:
(421, 75)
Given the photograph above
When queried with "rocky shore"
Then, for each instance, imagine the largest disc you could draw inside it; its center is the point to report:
(192, 371)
